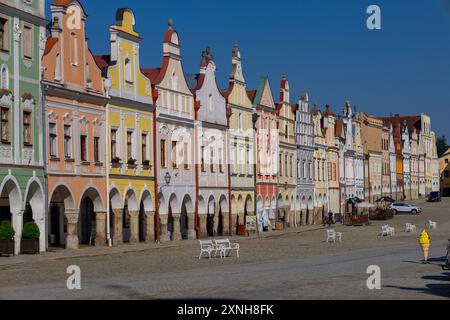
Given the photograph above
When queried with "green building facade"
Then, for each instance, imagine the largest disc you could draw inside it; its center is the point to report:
(22, 183)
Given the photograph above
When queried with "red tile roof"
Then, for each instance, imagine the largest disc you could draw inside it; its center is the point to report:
(251, 94)
(151, 74)
(49, 44)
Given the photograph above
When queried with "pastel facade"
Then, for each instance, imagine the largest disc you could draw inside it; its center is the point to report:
(269, 165)
(22, 184)
(395, 188)
(175, 145)
(349, 153)
(131, 188)
(287, 177)
(386, 170)
(75, 122)
(304, 131)
(434, 165)
(211, 136)
(329, 124)
(372, 133)
(414, 165)
(242, 146)
(444, 171)
(359, 157)
(320, 169)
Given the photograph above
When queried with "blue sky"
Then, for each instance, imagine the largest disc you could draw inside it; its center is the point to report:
(323, 46)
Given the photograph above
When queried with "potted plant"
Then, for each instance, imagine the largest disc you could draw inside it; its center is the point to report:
(116, 162)
(30, 238)
(6, 238)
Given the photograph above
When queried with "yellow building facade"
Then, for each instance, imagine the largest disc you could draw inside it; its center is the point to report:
(131, 183)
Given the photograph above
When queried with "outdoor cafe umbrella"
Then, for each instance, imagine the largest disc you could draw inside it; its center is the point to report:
(365, 205)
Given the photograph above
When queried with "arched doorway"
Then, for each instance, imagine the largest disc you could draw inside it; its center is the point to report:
(223, 216)
(147, 226)
(61, 200)
(130, 218)
(210, 217)
(260, 213)
(173, 226)
(92, 218)
(35, 206)
(115, 216)
(86, 222)
(11, 205)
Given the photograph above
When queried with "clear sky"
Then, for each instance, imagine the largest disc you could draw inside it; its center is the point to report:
(323, 46)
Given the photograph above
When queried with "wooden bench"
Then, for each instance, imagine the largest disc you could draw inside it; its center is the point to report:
(225, 247)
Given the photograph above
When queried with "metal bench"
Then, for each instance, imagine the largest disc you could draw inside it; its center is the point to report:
(225, 247)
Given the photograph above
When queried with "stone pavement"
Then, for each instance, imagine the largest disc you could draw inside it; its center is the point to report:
(293, 264)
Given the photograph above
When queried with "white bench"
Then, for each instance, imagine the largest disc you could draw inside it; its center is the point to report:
(209, 248)
(225, 247)
(432, 225)
(332, 235)
(387, 231)
(410, 228)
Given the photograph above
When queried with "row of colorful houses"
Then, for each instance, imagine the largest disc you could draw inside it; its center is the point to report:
(99, 149)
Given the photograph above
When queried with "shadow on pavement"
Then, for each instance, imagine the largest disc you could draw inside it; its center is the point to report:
(436, 289)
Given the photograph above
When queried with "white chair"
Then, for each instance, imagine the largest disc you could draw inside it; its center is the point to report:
(387, 231)
(410, 228)
(432, 225)
(224, 246)
(332, 235)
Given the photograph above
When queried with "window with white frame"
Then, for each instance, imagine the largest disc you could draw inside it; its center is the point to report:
(5, 131)
(52, 140)
(68, 141)
(4, 80)
(27, 41)
(27, 129)
(128, 72)
(74, 49)
(4, 34)
(97, 149)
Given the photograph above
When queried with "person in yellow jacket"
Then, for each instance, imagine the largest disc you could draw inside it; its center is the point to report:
(425, 243)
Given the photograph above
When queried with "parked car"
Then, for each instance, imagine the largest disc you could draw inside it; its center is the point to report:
(435, 197)
(405, 208)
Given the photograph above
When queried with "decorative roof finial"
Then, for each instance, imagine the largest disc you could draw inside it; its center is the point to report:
(170, 23)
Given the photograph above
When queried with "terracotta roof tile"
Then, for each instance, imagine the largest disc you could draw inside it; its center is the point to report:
(49, 44)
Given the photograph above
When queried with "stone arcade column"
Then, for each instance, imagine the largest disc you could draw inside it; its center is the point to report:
(118, 226)
(150, 216)
(203, 228)
(233, 224)
(297, 218)
(226, 224)
(72, 241)
(216, 221)
(17, 222)
(303, 218)
(164, 236)
(134, 227)
(192, 235)
(100, 229)
(176, 236)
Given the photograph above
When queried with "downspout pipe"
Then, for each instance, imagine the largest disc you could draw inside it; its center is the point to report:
(196, 160)
(155, 166)
(230, 216)
(44, 89)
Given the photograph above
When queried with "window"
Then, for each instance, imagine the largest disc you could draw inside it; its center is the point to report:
(129, 145)
(58, 68)
(113, 144)
(74, 49)
(4, 34)
(280, 169)
(211, 159)
(4, 84)
(286, 131)
(221, 161)
(27, 129)
(186, 156)
(203, 159)
(290, 166)
(27, 42)
(447, 173)
(67, 142)
(144, 147)
(52, 140)
(175, 154)
(163, 154)
(128, 75)
(446, 161)
(96, 149)
(5, 125)
(286, 166)
(83, 148)
(240, 124)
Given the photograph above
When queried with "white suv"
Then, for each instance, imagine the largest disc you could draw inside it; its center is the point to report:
(405, 208)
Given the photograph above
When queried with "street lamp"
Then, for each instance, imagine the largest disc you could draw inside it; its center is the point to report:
(167, 178)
